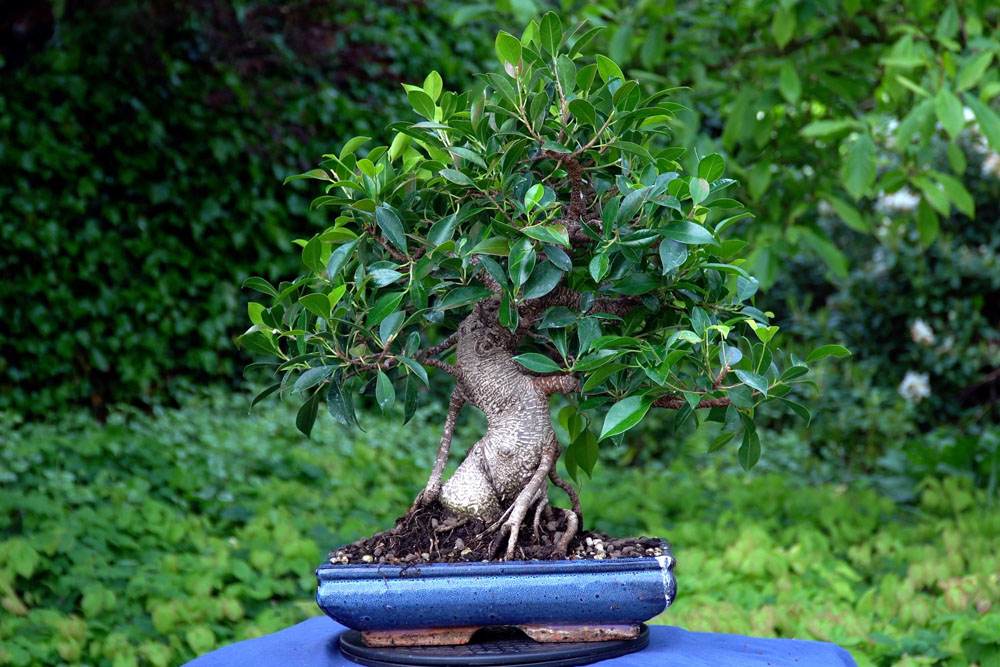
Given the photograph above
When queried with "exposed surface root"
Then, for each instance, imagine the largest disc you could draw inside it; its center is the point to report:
(425, 535)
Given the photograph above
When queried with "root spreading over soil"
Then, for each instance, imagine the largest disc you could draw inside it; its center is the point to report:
(432, 535)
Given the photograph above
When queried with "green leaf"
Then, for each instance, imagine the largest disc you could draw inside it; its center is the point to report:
(838, 351)
(972, 72)
(508, 48)
(554, 234)
(789, 84)
(495, 245)
(417, 369)
(538, 363)
(442, 230)
(255, 310)
(433, 85)
(623, 415)
(934, 194)
(599, 265)
(422, 103)
(749, 451)
(798, 409)
(392, 225)
(312, 377)
(317, 304)
(457, 177)
(826, 250)
(339, 258)
(608, 69)
(467, 154)
(721, 441)
(928, 224)
(753, 380)
(390, 325)
(741, 397)
(312, 255)
(672, 254)
(543, 280)
(783, 25)
(410, 399)
(353, 145)
(850, 215)
(385, 393)
(306, 416)
(463, 296)
(957, 193)
(949, 111)
(583, 111)
(690, 233)
(550, 31)
(566, 74)
(587, 451)
(385, 305)
(989, 121)
(522, 262)
(260, 285)
(264, 394)
(824, 128)
(711, 167)
(340, 405)
(699, 190)
(859, 168)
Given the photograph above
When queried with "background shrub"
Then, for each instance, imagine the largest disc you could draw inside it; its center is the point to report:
(145, 144)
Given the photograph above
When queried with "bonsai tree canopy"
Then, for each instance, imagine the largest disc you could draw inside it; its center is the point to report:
(533, 237)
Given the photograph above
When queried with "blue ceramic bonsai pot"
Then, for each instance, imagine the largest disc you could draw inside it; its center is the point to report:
(445, 603)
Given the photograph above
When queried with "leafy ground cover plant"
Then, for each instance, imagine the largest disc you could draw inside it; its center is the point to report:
(532, 239)
(223, 508)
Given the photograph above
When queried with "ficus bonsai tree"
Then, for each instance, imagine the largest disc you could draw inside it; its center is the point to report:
(532, 238)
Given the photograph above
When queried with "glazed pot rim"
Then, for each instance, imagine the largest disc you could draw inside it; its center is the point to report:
(331, 572)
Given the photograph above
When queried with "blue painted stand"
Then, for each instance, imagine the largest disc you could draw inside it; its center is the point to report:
(313, 644)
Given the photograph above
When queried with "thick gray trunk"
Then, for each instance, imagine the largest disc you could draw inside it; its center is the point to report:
(519, 434)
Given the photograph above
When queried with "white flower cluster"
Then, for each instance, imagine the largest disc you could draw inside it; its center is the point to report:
(915, 387)
(903, 200)
(921, 332)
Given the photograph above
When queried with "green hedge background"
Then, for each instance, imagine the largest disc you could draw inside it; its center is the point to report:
(143, 145)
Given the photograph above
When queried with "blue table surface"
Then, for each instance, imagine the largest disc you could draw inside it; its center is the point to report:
(312, 643)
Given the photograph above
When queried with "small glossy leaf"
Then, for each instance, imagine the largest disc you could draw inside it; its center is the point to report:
(609, 69)
(508, 48)
(312, 377)
(688, 232)
(672, 254)
(949, 111)
(260, 285)
(416, 367)
(749, 451)
(550, 31)
(339, 258)
(457, 177)
(753, 380)
(422, 103)
(624, 414)
(385, 305)
(838, 351)
(306, 416)
(711, 167)
(538, 363)
(385, 393)
(599, 266)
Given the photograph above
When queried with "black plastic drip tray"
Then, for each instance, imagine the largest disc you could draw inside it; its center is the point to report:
(491, 646)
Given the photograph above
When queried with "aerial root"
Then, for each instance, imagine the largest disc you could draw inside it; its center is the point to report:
(572, 526)
(543, 504)
(574, 497)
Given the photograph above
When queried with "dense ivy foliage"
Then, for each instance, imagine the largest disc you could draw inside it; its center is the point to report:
(144, 147)
(159, 538)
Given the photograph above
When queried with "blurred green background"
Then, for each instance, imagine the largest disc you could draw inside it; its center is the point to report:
(146, 518)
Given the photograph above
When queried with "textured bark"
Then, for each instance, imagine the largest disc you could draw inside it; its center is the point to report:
(506, 472)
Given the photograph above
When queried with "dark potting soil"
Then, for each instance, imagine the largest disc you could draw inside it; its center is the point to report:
(429, 535)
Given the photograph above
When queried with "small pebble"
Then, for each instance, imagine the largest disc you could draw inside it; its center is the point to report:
(425, 556)
(459, 544)
(366, 558)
